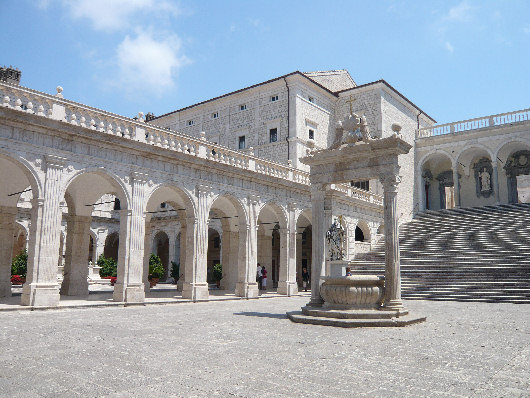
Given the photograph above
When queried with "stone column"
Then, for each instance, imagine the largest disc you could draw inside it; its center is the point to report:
(147, 253)
(129, 286)
(229, 259)
(182, 257)
(392, 265)
(421, 192)
(456, 184)
(195, 285)
(75, 281)
(287, 282)
(319, 225)
(248, 238)
(41, 287)
(172, 243)
(100, 242)
(496, 183)
(8, 217)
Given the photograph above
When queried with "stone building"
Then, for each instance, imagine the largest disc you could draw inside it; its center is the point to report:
(220, 181)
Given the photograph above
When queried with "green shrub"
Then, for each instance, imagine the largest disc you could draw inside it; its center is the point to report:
(108, 265)
(217, 272)
(19, 266)
(175, 271)
(156, 269)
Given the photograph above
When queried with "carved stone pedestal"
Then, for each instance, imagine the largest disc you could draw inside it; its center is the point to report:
(353, 301)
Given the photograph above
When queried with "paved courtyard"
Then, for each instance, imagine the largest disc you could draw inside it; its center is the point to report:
(250, 349)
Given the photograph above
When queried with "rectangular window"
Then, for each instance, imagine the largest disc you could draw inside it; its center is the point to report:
(274, 98)
(311, 99)
(273, 135)
(117, 205)
(215, 115)
(242, 142)
(191, 122)
(311, 134)
(163, 205)
(364, 185)
(242, 107)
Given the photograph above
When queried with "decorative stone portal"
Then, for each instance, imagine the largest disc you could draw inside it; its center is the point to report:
(338, 298)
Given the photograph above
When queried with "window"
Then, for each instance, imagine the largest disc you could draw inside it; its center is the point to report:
(274, 98)
(163, 205)
(311, 134)
(216, 242)
(242, 107)
(242, 142)
(191, 122)
(117, 205)
(273, 135)
(364, 185)
(311, 99)
(215, 115)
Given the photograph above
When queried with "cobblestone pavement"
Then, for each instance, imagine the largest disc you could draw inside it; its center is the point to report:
(250, 349)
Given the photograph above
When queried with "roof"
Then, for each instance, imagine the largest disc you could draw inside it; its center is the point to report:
(334, 80)
(326, 80)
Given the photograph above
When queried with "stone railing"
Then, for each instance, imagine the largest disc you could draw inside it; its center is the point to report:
(30, 101)
(357, 193)
(473, 124)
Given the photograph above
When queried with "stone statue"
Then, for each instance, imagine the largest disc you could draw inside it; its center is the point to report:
(335, 239)
(485, 180)
(352, 129)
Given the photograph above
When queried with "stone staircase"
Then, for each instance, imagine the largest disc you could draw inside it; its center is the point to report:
(470, 254)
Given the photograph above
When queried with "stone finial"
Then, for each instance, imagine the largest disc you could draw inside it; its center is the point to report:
(202, 135)
(396, 128)
(290, 163)
(311, 143)
(141, 117)
(59, 92)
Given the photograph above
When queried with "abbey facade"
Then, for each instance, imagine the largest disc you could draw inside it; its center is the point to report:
(221, 182)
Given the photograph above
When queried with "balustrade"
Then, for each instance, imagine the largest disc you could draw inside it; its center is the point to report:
(473, 124)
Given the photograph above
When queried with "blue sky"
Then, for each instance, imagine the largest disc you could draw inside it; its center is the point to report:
(454, 59)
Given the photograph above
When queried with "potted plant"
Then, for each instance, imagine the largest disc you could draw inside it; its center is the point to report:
(109, 268)
(218, 274)
(156, 269)
(19, 267)
(175, 271)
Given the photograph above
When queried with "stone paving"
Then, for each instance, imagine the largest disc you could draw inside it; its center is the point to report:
(248, 348)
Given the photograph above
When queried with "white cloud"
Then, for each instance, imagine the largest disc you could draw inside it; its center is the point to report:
(449, 47)
(459, 13)
(111, 15)
(149, 63)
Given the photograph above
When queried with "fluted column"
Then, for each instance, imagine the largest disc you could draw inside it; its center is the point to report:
(195, 285)
(41, 288)
(182, 250)
(147, 253)
(172, 244)
(129, 286)
(287, 282)
(496, 183)
(8, 217)
(246, 285)
(75, 281)
(319, 225)
(392, 264)
(456, 184)
(421, 192)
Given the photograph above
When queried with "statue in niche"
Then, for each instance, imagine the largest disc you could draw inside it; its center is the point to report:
(485, 180)
(335, 238)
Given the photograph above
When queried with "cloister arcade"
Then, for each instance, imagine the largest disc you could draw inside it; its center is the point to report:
(488, 174)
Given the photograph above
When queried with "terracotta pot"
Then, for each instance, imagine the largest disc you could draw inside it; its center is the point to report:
(153, 281)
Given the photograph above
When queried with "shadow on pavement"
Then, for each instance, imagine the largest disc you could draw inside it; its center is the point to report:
(262, 315)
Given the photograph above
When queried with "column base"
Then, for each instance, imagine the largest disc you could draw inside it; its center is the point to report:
(71, 287)
(287, 288)
(315, 302)
(180, 285)
(195, 291)
(247, 290)
(40, 295)
(129, 293)
(396, 305)
(147, 287)
(5, 289)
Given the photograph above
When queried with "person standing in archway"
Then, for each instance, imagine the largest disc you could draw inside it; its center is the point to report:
(305, 278)
(259, 276)
(264, 278)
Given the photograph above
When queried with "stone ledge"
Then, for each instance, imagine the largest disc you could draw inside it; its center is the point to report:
(353, 313)
(299, 317)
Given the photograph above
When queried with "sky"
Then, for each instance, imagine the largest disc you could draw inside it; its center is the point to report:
(455, 60)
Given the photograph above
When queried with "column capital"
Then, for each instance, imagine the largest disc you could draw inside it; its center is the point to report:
(253, 199)
(54, 161)
(390, 182)
(203, 189)
(139, 177)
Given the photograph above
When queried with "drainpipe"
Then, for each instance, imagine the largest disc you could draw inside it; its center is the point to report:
(288, 118)
(418, 119)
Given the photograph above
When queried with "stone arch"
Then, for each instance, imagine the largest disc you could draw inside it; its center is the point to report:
(92, 247)
(112, 242)
(274, 209)
(168, 193)
(434, 176)
(161, 249)
(362, 232)
(20, 237)
(235, 201)
(304, 243)
(512, 176)
(475, 169)
(17, 175)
